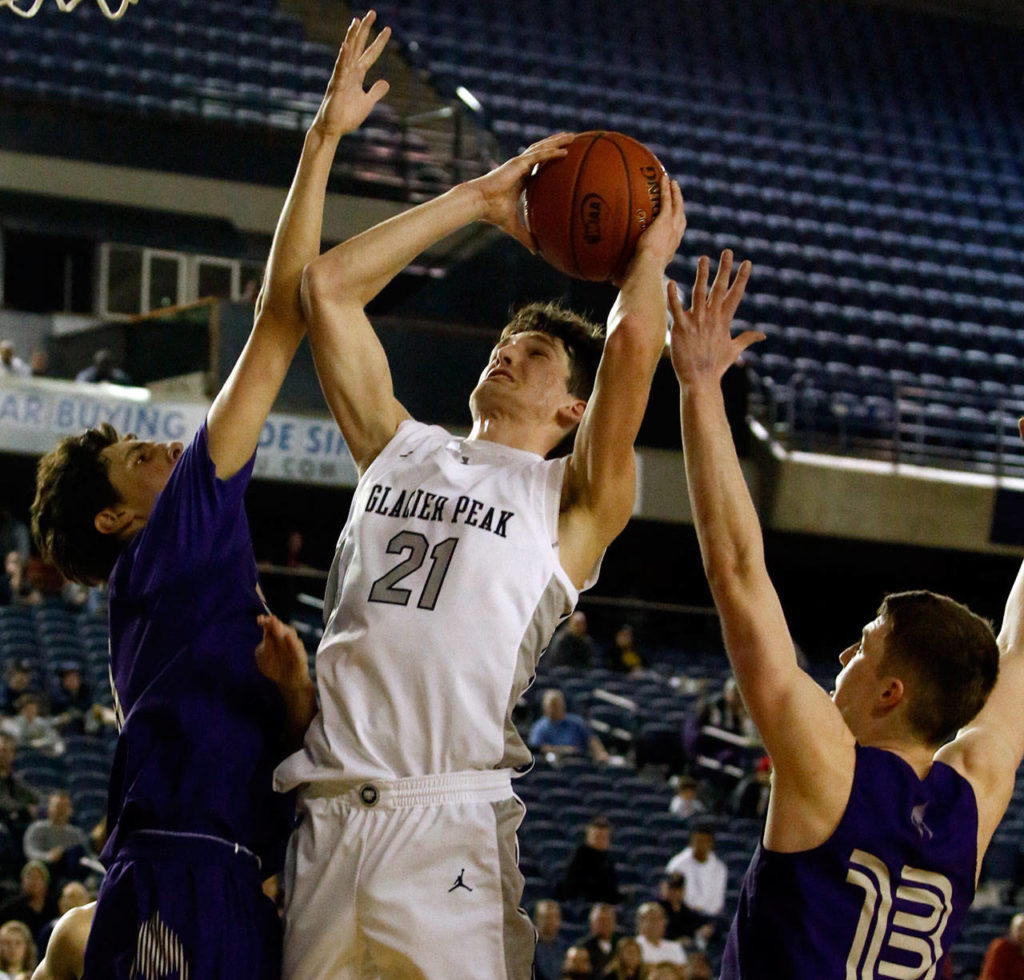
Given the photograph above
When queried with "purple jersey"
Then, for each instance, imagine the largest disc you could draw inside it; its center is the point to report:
(884, 896)
(202, 728)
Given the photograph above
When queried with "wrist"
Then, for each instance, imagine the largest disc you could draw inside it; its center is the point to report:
(318, 137)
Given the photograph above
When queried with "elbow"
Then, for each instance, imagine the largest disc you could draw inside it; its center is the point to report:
(313, 291)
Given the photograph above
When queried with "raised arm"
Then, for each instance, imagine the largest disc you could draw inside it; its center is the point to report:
(600, 483)
(988, 750)
(801, 727)
(240, 409)
(350, 360)
(64, 958)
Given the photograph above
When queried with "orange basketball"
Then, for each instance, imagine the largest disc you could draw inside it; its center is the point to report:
(586, 210)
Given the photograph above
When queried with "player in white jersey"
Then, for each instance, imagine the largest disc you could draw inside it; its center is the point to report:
(458, 559)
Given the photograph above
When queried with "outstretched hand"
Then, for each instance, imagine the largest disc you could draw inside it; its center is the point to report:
(701, 343)
(280, 655)
(345, 104)
(501, 189)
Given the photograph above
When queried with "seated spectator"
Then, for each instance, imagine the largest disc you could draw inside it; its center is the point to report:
(603, 937)
(39, 363)
(20, 680)
(623, 656)
(52, 586)
(10, 364)
(550, 949)
(56, 841)
(591, 874)
(728, 712)
(666, 971)
(103, 369)
(704, 871)
(17, 950)
(650, 927)
(34, 905)
(628, 961)
(698, 967)
(681, 922)
(576, 965)
(17, 799)
(750, 797)
(31, 729)
(1005, 957)
(71, 701)
(558, 733)
(571, 646)
(16, 583)
(686, 803)
(14, 534)
(73, 895)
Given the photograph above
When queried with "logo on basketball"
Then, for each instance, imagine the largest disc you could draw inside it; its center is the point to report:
(592, 211)
(652, 178)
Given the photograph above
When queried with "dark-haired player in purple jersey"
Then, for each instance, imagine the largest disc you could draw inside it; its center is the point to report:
(884, 795)
(195, 825)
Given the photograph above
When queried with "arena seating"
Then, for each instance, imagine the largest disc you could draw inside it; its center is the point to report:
(879, 212)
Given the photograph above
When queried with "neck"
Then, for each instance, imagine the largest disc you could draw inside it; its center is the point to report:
(513, 433)
(919, 757)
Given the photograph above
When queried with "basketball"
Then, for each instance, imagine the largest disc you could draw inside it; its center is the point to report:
(586, 210)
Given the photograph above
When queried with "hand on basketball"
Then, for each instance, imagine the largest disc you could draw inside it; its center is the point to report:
(280, 655)
(501, 189)
(661, 240)
(702, 345)
(346, 105)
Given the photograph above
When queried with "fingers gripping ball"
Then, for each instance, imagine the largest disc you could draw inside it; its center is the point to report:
(586, 210)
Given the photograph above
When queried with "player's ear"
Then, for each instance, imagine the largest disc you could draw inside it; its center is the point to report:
(113, 520)
(571, 413)
(892, 693)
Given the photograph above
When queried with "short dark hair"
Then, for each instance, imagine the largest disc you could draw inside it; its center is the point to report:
(949, 653)
(72, 487)
(583, 340)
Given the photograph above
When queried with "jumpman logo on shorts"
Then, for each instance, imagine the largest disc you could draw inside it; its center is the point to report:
(459, 883)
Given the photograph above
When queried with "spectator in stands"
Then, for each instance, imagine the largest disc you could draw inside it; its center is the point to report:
(681, 922)
(750, 797)
(19, 681)
(577, 965)
(697, 967)
(72, 896)
(628, 961)
(572, 645)
(17, 798)
(52, 585)
(17, 950)
(603, 937)
(623, 656)
(10, 364)
(55, 840)
(727, 711)
(591, 874)
(550, 949)
(39, 363)
(650, 927)
(687, 803)
(1005, 957)
(103, 368)
(667, 971)
(71, 701)
(17, 584)
(34, 906)
(14, 534)
(30, 728)
(704, 871)
(558, 733)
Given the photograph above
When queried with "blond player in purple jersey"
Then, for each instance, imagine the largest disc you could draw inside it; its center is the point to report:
(885, 794)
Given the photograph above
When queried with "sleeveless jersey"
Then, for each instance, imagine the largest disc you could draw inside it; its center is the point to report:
(884, 896)
(445, 590)
(200, 726)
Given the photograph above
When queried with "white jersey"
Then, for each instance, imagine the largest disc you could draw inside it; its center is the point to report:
(445, 590)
